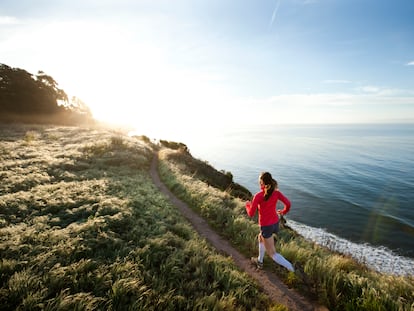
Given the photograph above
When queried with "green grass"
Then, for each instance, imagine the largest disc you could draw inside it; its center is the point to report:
(334, 280)
(82, 227)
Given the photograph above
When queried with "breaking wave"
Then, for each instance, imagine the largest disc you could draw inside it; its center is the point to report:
(380, 258)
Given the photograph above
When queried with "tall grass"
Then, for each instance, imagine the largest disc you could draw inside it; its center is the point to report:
(335, 280)
(82, 227)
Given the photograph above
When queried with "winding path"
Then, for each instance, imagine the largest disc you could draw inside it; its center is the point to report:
(269, 282)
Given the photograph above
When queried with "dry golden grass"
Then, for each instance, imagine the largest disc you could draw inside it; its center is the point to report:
(82, 227)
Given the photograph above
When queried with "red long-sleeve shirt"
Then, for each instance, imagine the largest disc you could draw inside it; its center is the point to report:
(267, 209)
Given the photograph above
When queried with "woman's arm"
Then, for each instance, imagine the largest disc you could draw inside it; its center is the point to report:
(249, 209)
(285, 202)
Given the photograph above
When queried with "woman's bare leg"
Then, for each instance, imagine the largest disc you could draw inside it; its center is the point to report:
(270, 245)
(279, 259)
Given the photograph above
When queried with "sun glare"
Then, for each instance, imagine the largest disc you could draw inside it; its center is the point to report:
(156, 100)
(142, 90)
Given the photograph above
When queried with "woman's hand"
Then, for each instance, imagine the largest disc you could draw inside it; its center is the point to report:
(249, 208)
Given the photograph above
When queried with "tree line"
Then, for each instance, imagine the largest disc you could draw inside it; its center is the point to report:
(25, 97)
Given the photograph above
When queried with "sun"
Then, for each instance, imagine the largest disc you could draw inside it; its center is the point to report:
(152, 101)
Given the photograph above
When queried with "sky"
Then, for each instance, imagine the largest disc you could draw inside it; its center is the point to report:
(183, 64)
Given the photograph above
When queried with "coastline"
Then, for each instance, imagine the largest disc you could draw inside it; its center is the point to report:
(351, 187)
(380, 259)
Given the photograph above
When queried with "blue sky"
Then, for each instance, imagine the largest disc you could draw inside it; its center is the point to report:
(187, 62)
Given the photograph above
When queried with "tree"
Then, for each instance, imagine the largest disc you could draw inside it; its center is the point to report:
(49, 85)
(78, 106)
(27, 97)
(16, 85)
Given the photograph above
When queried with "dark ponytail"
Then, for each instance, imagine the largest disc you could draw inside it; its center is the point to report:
(269, 184)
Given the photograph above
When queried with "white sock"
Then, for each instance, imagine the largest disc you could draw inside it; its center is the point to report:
(283, 262)
(262, 252)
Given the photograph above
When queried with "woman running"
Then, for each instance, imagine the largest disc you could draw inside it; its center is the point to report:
(266, 201)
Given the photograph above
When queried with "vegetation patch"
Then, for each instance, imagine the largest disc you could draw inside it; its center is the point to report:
(334, 280)
(82, 227)
(203, 171)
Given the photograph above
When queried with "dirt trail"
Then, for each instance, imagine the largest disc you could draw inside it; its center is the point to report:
(268, 281)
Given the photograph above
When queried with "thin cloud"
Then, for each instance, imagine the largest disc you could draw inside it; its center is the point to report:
(410, 63)
(337, 81)
(333, 107)
(321, 108)
(383, 91)
(370, 89)
(274, 14)
(8, 20)
(340, 99)
(310, 1)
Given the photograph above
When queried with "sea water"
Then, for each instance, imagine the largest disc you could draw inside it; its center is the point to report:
(351, 186)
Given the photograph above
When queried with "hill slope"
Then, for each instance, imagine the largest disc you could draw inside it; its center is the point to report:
(83, 227)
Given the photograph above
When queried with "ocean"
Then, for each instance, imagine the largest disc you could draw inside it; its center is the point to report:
(351, 186)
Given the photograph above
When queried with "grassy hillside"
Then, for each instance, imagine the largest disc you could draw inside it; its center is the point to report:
(336, 281)
(82, 227)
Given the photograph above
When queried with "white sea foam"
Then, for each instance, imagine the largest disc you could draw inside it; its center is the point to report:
(380, 259)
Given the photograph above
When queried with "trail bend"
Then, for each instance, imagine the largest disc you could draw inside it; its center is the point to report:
(268, 281)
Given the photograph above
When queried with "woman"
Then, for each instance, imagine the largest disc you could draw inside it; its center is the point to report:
(266, 201)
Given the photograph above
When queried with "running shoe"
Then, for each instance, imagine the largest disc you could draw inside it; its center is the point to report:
(257, 263)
